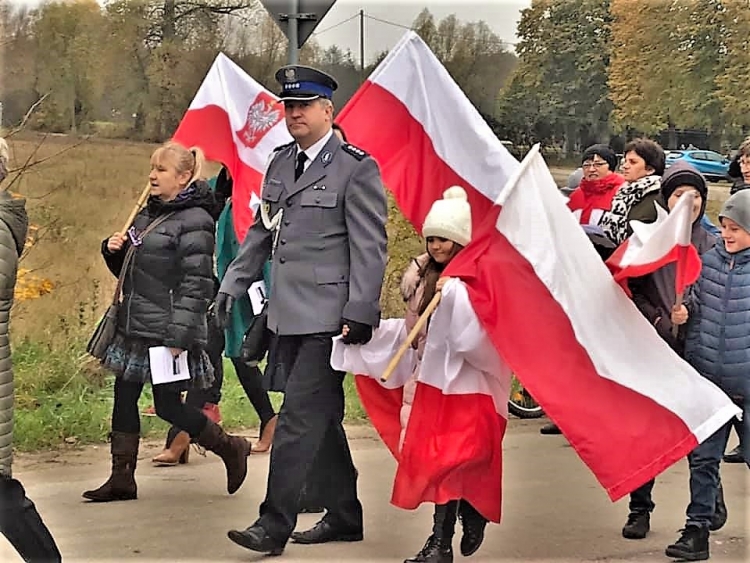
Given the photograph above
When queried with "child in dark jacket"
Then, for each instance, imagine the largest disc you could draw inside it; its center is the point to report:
(655, 297)
(718, 347)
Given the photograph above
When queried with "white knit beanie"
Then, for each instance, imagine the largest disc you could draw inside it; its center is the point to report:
(450, 217)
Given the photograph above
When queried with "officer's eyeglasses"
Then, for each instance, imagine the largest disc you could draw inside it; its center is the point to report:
(593, 164)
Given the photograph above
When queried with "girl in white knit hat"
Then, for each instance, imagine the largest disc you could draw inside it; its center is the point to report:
(447, 229)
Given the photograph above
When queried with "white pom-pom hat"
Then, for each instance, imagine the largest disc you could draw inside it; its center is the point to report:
(450, 217)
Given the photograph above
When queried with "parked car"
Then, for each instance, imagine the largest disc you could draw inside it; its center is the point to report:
(712, 165)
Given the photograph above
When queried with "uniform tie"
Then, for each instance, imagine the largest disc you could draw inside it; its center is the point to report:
(301, 159)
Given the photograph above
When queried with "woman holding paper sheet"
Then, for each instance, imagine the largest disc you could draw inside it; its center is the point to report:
(168, 260)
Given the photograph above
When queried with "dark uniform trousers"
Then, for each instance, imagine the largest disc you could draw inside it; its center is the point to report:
(310, 440)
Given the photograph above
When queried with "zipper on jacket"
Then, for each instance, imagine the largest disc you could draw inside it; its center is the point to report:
(130, 297)
(725, 304)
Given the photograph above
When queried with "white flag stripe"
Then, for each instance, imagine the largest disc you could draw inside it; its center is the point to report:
(621, 343)
(229, 87)
(652, 242)
(413, 75)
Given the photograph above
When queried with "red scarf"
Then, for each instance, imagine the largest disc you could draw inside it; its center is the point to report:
(602, 185)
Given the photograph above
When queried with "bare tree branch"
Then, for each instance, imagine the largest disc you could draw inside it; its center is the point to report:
(26, 117)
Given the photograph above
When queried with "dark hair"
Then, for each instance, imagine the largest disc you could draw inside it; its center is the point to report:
(650, 152)
(606, 153)
(430, 274)
(337, 127)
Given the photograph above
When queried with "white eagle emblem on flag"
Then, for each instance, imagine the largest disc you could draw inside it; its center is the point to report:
(262, 116)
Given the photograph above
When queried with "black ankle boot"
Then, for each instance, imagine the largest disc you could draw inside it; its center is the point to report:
(439, 546)
(473, 524)
(637, 526)
(692, 545)
(435, 550)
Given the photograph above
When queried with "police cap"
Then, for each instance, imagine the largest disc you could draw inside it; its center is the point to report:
(303, 83)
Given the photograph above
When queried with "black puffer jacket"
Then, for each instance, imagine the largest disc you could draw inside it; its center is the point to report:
(169, 282)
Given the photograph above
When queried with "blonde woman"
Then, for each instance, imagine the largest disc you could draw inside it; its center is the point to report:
(166, 291)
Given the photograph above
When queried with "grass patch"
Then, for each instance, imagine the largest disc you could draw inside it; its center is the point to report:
(63, 397)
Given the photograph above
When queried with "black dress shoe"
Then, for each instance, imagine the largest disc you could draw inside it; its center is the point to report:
(735, 456)
(257, 539)
(324, 532)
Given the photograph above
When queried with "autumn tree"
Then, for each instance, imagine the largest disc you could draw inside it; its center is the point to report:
(732, 81)
(67, 38)
(472, 53)
(560, 83)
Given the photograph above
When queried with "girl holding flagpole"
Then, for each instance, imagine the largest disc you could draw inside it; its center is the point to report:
(466, 448)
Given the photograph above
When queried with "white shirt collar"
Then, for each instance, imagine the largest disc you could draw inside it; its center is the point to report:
(313, 152)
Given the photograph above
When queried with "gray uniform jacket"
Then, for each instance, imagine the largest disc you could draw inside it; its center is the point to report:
(13, 226)
(331, 252)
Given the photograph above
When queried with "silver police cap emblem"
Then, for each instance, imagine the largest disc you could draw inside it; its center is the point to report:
(290, 74)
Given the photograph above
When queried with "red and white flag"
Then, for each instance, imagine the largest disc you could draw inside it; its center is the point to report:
(449, 442)
(237, 122)
(425, 134)
(657, 244)
(628, 405)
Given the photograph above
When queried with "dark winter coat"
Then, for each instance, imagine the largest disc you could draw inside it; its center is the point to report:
(654, 294)
(169, 283)
(718, 340)
(13, 226)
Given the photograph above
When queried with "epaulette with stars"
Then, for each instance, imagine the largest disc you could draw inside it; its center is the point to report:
(356, 152)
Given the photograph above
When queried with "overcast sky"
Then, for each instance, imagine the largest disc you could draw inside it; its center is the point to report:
(501, 15)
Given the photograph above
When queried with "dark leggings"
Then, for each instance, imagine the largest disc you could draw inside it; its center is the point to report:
(251, 380)
(169, 407)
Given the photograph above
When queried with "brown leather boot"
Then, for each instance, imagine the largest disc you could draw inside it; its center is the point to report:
(266, 437)
(233, 451)
(121, 483)
(176, 451)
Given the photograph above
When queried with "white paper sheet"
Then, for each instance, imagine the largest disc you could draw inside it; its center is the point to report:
(257, 294)
(165, 368)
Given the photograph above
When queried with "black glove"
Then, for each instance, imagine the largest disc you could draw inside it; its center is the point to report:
(358, 333)
(224, 184)
(223, 307)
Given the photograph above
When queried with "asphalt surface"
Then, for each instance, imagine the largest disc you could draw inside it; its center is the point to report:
(554, 510)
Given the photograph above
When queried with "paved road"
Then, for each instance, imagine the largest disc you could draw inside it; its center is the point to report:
(553, 509)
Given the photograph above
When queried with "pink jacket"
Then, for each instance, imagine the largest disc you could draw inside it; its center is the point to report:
(412, 291)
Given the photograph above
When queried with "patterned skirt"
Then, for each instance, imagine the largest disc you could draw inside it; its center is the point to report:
(127, 358)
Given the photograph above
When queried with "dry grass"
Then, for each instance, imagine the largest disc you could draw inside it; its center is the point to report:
(81, 197)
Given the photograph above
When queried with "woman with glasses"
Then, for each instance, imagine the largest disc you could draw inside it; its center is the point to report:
(593, 196)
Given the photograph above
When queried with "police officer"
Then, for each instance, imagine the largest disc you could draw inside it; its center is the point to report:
(322, 221)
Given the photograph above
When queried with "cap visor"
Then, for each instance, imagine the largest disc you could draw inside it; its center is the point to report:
(300, 98)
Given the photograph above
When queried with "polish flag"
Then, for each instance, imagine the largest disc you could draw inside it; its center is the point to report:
(657, 244)
(425, 134)
(236, 122)
(449, 444)
(629, 406)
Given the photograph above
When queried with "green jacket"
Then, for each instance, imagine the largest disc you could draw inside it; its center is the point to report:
(227, 247)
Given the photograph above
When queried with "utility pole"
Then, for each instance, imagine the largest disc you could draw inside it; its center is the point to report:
(292, 28)
(362, 41)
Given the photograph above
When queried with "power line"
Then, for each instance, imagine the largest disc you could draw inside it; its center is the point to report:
(336, 25)
(394, 24)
